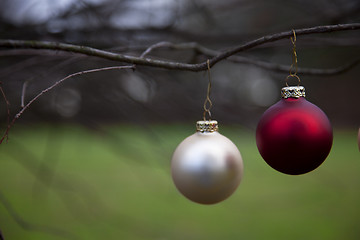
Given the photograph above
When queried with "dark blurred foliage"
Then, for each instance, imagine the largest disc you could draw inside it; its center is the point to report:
(240, 92)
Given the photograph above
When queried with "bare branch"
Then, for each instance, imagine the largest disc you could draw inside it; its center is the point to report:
(216, 57)
(65, 78)
(99, 53)
(244, 60)
(18, 115)
(169, 64)
(23, 91)
(287, 34)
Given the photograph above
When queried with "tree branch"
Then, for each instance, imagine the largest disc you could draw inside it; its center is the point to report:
(21, 44)
(18, 115)
(216, 56)
(244, 60)
(282, 35)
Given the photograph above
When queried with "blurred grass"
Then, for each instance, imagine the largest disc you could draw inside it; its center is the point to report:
(115, 183)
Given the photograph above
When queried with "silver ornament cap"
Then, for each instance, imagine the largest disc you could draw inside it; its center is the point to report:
(207, 167)
(293, 92)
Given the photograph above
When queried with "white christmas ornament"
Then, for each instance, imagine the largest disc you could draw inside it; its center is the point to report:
(207, 167)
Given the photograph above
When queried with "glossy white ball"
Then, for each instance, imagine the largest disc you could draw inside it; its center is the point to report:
(207, 167)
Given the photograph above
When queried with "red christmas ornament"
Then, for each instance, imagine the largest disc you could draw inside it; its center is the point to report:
(294, 136)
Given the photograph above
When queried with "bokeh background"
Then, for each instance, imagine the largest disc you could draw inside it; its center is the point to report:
(91, 158)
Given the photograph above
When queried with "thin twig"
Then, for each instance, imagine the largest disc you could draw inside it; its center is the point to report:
(52, 69)
(21, 44)
(156, 45)
(151, 48)
(65, 78)
(17, 116)
(23, 91)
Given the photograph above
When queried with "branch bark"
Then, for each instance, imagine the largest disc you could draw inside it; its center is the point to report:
(21, 44)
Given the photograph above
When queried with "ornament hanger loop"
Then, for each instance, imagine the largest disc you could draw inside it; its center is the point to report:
(294, 66)
(208, 103)
(292, 76)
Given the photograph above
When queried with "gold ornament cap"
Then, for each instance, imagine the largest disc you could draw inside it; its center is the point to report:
(207, 126)
(293, 92)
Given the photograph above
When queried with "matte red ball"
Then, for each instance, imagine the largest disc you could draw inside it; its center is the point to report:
(294, 136)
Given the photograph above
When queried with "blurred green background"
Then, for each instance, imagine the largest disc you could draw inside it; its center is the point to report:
(65, 181)
(91, 158)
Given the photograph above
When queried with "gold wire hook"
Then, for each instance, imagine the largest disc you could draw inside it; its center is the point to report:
(294, 55)
(293, 40)
(208, 103)
(294, 66)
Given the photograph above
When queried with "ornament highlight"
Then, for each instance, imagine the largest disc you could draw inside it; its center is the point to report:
(294, 136)
(207, 167)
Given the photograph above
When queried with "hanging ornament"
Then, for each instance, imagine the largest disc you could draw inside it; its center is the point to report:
(207, 167)
(294, 136)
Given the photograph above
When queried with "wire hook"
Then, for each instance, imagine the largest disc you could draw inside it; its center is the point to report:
(208, 103)
(294, 66)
